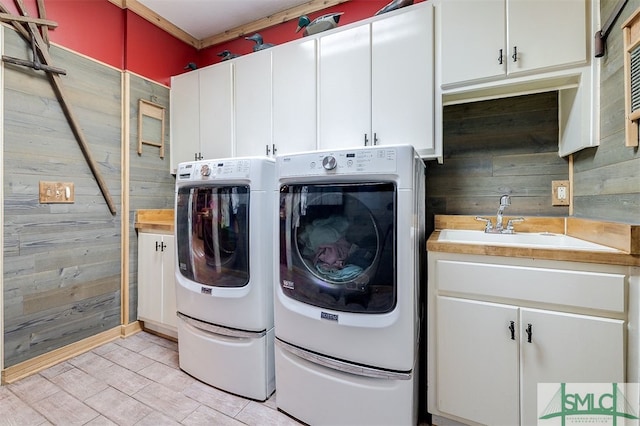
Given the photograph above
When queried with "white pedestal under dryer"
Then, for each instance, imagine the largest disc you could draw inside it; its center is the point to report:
(224, 273)
(350, 233)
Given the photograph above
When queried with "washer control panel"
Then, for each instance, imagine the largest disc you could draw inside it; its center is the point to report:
(212, 169)
(326, 163)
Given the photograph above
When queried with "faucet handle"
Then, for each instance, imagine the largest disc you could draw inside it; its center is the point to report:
(511, 222)
(488, 225)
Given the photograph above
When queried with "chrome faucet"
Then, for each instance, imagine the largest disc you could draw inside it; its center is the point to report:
(505, 201)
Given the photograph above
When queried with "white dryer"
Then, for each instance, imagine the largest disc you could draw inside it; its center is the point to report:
(350, 237)
(224, 273)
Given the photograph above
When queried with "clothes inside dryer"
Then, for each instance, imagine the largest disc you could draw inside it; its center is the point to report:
(337, 245)
(212, 239)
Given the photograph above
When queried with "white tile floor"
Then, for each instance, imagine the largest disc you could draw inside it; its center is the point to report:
(132, 381)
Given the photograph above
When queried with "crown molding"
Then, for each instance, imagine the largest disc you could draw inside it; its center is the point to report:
(277, 18)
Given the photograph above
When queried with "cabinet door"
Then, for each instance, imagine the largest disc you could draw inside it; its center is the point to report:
(477, 361)
(184, 118)
(402, 79)
(345, 88)
(472, 40)
(216, 111)
(168, 282)
(546, 33)
(295, 97)
(567, 348)
(253, 104)
(150, 277)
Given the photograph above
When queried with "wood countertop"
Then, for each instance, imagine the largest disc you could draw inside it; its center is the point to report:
(154, 220)
(623, 237)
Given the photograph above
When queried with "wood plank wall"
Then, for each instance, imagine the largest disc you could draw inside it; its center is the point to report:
(496, 147)
(607, 178)
(61, 261)
(151, 186)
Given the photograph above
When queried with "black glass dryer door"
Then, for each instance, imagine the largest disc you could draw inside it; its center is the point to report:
(212, 232)
(337, 245)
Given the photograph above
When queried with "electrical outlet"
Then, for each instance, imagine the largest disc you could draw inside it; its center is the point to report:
(560, 195)
(56, 192)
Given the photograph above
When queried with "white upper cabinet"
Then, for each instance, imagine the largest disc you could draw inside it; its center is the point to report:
(376, 83)
(364, 84)
(185, 118)
(295, 97)
(481, 40)
(216, 111)
(545, 34)
(345, 88)
(402, 65)
(253, 104)
(202, 114)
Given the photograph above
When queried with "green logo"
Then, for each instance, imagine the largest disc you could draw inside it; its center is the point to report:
(595, 403)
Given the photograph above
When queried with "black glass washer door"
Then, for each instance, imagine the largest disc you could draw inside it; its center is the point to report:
(337, 245)
(212, 232)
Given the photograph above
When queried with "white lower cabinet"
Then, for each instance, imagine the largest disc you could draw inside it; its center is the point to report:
(156, 282)
(498, 329)
(477, 361)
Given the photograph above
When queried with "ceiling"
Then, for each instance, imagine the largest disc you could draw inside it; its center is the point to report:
(203, 19)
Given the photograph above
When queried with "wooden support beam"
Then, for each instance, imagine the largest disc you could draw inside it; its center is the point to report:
(42, 13)
(148, 14)
(33, 64)
(7, 17)
(58, 88)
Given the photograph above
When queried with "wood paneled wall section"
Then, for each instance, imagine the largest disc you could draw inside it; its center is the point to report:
(61, 261)
(607, 178)
(151, 186)
(496, 147)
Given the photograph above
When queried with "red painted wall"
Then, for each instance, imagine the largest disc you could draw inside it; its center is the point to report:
(94, 28)
(120, 38)
(153, 53)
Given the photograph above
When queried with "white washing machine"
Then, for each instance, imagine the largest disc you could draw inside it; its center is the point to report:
(350, 235)
(224, 273)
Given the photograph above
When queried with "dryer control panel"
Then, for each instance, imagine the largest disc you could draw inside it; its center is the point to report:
(323, 163)
(214, 169)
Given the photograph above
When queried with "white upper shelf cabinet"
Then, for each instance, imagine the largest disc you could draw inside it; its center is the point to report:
(380, 76)
(484, 40)
(370, 80)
